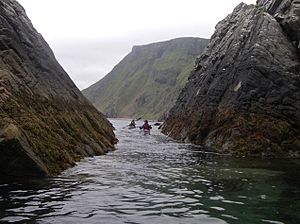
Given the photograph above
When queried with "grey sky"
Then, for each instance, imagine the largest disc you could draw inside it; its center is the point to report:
(89, 37)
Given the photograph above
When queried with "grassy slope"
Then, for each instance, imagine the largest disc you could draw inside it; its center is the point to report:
(148, 80)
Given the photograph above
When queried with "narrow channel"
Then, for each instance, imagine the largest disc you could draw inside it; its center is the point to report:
(152, 179)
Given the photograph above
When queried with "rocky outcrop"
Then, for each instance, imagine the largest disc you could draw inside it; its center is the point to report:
(46, 124)
(243, 97)
(148, 80)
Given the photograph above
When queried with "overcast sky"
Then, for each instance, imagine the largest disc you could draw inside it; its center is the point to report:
(89, 37)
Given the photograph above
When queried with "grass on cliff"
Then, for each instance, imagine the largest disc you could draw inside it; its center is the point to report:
(148, 80)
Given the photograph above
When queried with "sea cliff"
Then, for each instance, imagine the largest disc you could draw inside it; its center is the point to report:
(46, 124)
(243, 97)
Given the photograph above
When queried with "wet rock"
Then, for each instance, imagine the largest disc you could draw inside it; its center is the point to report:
(46, 125)
(243, 96)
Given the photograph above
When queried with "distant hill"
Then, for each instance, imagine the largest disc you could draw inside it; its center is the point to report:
(148, 80)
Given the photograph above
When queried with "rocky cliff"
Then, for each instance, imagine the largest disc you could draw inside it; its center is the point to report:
(46, 124)
(148, 80)
(243, 97)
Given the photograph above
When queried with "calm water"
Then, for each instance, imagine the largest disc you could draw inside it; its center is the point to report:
(151, 179)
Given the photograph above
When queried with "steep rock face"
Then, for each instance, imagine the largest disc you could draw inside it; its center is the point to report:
(46, 124)
(148, 80)
(243, 97)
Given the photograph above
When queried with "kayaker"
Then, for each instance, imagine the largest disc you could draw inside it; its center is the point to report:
(132, 124)
(146, 127)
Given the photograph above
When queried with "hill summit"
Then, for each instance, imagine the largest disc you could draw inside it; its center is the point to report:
(148, 80)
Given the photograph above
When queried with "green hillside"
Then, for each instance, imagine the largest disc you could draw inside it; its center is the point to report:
(148, 80)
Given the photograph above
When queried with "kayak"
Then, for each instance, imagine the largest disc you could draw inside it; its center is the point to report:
(146, 131)
(131, 127)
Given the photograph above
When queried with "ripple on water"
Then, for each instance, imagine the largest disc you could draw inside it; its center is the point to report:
(151, 179)
(14, 219)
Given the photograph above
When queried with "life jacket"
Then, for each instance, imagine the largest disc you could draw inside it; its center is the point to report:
(147, 127)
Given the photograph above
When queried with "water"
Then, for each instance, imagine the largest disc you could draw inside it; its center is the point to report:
(151, 179)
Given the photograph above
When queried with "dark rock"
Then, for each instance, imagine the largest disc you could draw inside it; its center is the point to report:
(46, 124)
(243, 96)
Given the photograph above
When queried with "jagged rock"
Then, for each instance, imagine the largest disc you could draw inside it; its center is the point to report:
(243, 97)
(148, 80)
(46, 124)
(287, 13)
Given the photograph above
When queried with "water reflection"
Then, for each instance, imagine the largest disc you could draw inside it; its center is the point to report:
(151, 179)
